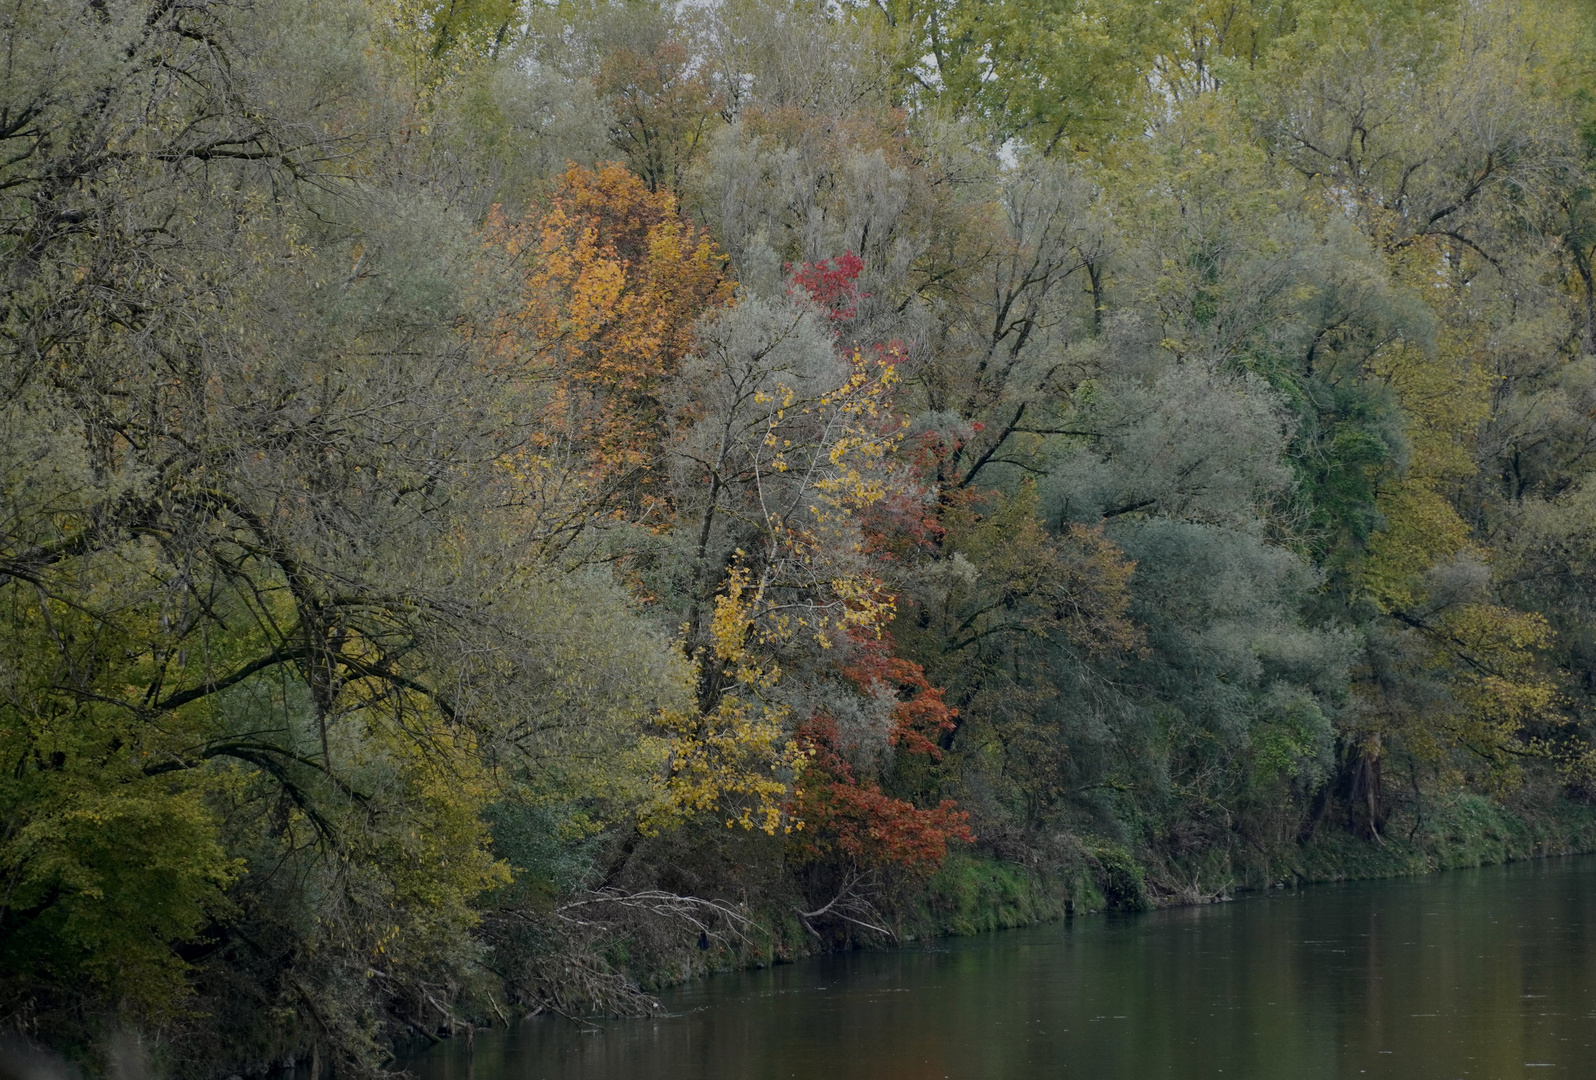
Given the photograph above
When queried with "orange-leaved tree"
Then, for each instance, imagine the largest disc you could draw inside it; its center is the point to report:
(851, 832)
(850, 818)
(615, 279)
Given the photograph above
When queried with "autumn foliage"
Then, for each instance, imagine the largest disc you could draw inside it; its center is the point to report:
(539, 483)
(832, 283)
(920, 712)
(853, 820)
(615, 279)
(618, 289)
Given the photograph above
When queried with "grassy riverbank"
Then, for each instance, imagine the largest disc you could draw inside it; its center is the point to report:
(1460, 830)
(977, 892)
(973, 894)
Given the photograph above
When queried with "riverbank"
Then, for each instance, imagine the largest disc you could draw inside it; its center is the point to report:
(1453, 832)
(1418, 978)
(975, 893)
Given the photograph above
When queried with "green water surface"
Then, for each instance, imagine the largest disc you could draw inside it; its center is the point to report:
(1476, 973)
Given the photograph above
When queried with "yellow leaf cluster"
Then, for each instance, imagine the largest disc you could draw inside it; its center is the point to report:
(735, 760)
(615, 280)
(1446, 396)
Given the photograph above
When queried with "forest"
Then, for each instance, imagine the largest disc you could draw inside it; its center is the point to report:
(507, 503)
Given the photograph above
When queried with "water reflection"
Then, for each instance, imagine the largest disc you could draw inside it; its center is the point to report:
(1484, 973)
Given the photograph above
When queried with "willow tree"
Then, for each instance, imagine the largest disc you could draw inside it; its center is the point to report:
(276, 610)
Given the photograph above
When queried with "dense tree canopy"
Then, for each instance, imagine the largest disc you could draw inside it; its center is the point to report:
(493, 492)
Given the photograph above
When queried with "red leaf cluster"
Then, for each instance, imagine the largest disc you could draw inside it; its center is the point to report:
(832, 283)
(922, 715)
(852, 818)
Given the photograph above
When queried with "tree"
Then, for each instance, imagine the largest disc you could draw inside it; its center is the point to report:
(615, 283)
(272, 597)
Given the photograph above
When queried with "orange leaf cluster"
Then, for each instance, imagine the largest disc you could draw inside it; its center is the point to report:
(615, 281)
(921, 715)
(854, 819)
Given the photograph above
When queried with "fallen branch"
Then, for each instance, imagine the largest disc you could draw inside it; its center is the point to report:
(701, 914)
(851, 907)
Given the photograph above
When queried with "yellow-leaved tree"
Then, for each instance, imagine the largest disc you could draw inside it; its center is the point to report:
(789, 439)
(1461, 671)
(615, 280)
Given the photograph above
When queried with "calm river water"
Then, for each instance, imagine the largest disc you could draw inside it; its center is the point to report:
(1475, 973)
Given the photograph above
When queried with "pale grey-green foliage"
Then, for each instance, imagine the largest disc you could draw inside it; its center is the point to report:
(774, 55)
(547, 87)
(238, 404)
(1543, 424)
(1192, 443)
(1348, 307)
(1229, 646)
(1231, 266)
(552, 117)
(1444, 134)
(245, 444)
(746, 472)
(745, 356)
(773, 202)
(1026, 293)
(588, 672)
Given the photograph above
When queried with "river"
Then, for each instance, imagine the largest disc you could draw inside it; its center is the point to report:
(1486, 973)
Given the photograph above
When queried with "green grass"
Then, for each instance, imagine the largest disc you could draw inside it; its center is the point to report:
(1457, 831)
(974, 892)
